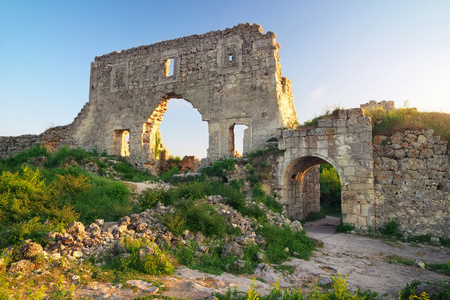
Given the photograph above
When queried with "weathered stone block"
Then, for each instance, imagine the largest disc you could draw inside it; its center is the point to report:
(325, 123)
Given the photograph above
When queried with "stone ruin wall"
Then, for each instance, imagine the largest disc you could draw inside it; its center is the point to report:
(232, 77)
(52, 139)
(412, 182)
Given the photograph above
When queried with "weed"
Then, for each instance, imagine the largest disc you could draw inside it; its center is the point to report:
(280, 238)
(443, 268)
(441, 291)
(169, 174)
(400, 260)
(344, 227)
(392, 228)
(151, 197)
(143, 257)
(219, 168)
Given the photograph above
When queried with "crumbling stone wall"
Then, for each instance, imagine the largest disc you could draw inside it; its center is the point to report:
(232, 77)
(52, 139)
(412, 182)
(345, 143)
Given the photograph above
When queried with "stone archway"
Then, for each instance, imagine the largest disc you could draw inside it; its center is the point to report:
(301, 188)
(346, 143)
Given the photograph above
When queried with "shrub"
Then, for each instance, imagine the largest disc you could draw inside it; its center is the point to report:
(169, 174)
(330, 188)
(151, 197)
(192, 190)
(154, 262)
(344, 227)
(129, 172)
(23, 157)
(259, 195)
(219, 168)
(392, 228)
(29, 208)
(201, 217)
(280, 238)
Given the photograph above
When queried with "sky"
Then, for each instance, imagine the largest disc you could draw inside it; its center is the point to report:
(336, 53)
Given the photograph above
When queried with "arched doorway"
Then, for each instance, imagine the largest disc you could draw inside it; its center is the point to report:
(182, 132)
(301, 186)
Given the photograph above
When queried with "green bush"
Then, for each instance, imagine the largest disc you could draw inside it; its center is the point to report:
(410, 292)
(219, 168)
(202, 217)
(192, 190)
(25, 156)
(151, 197)
(280, 239)
(392, 228)
(169, 174)
(387, 122)
(330, 190)
(155, 262)
(27, 201)
(344, 227)
(128, 172)
(259, 195)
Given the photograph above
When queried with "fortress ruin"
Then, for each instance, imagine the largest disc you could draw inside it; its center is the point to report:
(233, 77)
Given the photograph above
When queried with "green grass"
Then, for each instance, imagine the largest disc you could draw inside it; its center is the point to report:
(387, 122)
(442, 268)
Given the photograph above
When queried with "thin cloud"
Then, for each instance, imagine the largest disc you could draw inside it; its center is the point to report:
(316, 95)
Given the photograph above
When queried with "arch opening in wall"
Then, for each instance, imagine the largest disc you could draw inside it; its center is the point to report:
(238, 140)
(175, 127)
(121, 142)
(301, 189)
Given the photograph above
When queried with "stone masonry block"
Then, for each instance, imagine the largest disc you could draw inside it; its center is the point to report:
(355, 113)
(325, 123)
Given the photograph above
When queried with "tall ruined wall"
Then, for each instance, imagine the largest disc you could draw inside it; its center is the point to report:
(412, 182)
(231, 77)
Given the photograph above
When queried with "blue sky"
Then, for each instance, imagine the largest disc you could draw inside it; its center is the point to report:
(335, 52)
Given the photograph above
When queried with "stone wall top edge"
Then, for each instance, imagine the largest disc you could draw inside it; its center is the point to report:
(240, 28)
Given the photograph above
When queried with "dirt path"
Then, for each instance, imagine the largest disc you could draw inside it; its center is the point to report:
(365, 260)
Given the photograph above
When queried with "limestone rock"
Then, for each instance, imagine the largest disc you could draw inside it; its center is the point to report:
(30, 251)
(234, 249)
(76, 228)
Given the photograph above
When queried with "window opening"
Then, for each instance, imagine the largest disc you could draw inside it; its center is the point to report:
(169, 67)
(230, 57)
(125, 149)
(121, 142)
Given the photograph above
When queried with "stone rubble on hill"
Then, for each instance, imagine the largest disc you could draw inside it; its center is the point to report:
(105, 238)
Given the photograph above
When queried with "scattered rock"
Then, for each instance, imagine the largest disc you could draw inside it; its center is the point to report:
(326, 281)
(76, 228)
(233, 248)
(296, 225)
(30, 251)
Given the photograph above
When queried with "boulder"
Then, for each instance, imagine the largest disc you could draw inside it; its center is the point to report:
(76, 228)
(233, 248)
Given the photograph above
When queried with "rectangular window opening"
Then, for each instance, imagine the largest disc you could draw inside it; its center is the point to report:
(169, 65)
(230, 57)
